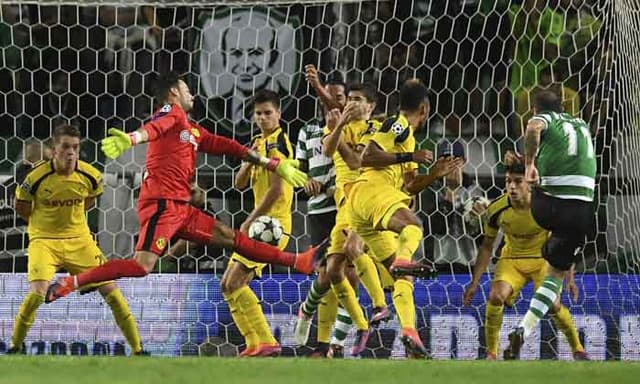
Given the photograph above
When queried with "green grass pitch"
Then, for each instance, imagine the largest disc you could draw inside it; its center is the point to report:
(116, 370)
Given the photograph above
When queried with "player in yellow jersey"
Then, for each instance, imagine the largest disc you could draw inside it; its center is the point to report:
(379, 202)
(520, 261)
(343, 133)
(53, 199)
(272, 197)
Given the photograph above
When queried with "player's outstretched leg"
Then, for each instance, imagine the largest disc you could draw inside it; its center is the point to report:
(114, 269)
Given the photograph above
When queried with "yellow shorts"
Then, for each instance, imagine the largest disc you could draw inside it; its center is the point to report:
(519, 272)
(254, 265)
(76, 255)
(370, 208)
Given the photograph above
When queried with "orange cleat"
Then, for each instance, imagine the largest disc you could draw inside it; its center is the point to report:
(413, 344)
(267, 350)
(60, 288)
(491, 356)
(401, 268)
(306, 261)
(248, 351)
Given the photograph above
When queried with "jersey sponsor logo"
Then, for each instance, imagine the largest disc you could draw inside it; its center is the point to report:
(272, 146)
(187, 136)
(161, 242)
(62, 203)
(195, 132)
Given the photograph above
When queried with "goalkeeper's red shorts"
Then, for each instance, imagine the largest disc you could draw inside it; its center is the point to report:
(161, 220)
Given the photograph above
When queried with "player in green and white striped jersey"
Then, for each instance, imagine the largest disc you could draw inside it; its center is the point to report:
(561, 167)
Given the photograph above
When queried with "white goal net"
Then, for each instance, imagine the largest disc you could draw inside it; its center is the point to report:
(93, 63)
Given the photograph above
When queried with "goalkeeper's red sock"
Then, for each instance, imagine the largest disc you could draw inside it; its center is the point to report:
(261, 252)
(111, 270)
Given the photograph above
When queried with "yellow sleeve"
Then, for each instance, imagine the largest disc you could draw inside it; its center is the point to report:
(494, 210)
(25, 190)
(372, 127)
(95, 183)
(280, 147)
(394, 131)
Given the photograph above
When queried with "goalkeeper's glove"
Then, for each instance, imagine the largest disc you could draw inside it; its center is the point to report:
(116, 143)
(288, 170)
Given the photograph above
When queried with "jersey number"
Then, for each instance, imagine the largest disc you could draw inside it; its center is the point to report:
(572, 135)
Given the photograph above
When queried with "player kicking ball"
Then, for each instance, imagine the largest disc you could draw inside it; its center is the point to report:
(561, 167)
(164, 211)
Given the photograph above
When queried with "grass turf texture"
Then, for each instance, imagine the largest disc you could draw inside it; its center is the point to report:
(112, 370)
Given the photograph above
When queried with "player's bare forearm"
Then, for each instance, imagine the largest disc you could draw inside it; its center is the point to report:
(325, 97)
(532, 140)
(482, 261)
(273, 194)
(374, 156)
(350, 156)
(419, 183)
(89, 203)
(139, 136)
(243, 176)
(23, 209)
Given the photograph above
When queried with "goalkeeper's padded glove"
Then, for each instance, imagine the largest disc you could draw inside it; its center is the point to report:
(116, 143)
(288, 170)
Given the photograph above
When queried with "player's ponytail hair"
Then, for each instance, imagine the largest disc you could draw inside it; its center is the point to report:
(65, 130)
(513, 163)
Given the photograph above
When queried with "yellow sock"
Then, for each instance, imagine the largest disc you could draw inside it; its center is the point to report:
(492, 324)
(250, 306)
(367, 273)
(408, 241)
(25, 318)
(250, 336)
(124, 318)
(327, 312)
(403, 301)
(347, 297)
(386, 279)
(563, 320)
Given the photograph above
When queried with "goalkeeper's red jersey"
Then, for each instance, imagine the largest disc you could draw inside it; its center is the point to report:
(171, 153)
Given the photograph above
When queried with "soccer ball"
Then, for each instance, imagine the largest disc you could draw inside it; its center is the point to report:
(266, 229)
(473, 222)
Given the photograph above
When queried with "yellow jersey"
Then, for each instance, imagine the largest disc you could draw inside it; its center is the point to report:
(394, 136)
(523, 237)
(57, 201)
(277, 144)
(352, 134)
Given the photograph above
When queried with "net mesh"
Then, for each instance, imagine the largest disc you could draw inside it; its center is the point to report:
(93, 65)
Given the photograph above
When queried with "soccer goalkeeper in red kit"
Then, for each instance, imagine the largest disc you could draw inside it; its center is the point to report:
(164, 211)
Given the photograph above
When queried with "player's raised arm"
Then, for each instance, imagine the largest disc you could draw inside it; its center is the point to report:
(442, 167)
(374, 156)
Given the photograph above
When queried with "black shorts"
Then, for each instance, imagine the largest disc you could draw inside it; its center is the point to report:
(570, 221)
(320, 226)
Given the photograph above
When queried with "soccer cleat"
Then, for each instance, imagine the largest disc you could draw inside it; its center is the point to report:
(306, 261)
(60, 288)
(360, 343)
(13, 350)
(380, 314)
(516, 340)
(321, 351)
(335, 351)
(248, 351)
(267, 350)
(142, 352)
(413, 344)
(302, 328)
(401, 268)
(491, 356)
(581, 356)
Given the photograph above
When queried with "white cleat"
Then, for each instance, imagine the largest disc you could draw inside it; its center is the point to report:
(303, 328)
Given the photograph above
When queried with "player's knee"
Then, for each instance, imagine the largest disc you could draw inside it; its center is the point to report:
(335, 268)
(354, 247)
(39, 287)
(555, 308)
(498, 296)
